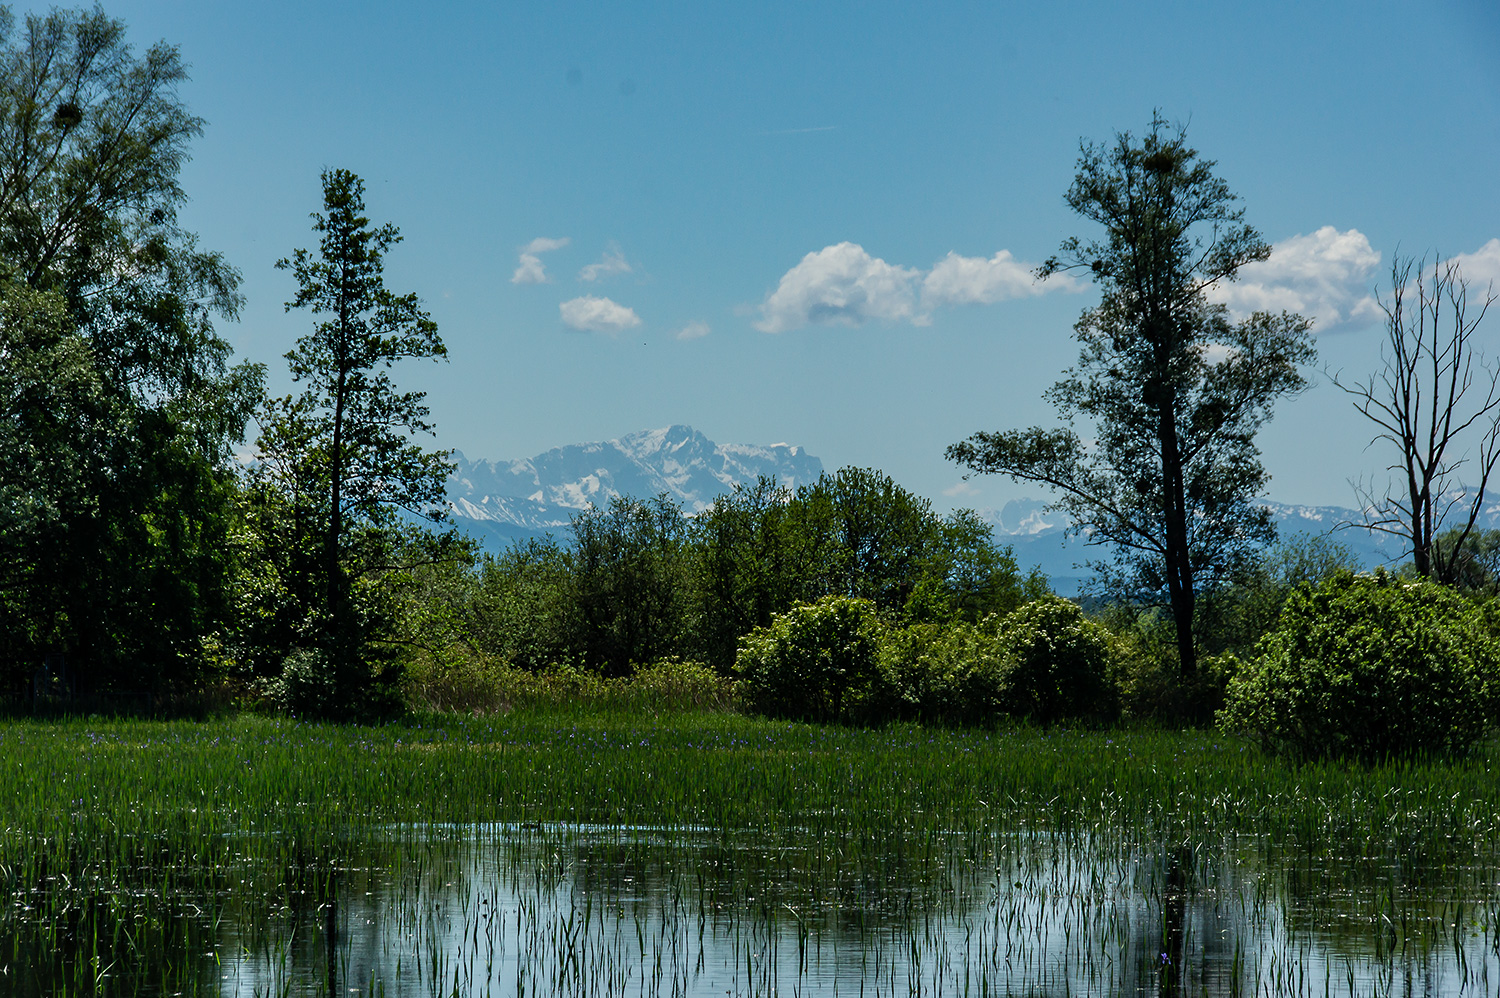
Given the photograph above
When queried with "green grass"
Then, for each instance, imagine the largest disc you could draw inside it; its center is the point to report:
(89, 780)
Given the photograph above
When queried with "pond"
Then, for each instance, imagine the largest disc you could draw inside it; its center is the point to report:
(576, 909)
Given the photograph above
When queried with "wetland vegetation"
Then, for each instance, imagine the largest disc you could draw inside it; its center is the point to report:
(610, 851)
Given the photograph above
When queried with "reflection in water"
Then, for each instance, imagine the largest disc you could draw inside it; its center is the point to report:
(593, 911)
(513, 910)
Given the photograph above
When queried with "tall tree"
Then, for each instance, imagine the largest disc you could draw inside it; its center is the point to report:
(1433, 395)
(110, 319)
(338, 460)
(1170, 388)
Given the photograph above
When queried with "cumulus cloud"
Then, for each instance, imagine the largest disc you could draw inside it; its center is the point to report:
(613, 262)
(531, 270)
(1325, 276)
(693, 331)
(973, 280)
(1481, 268)
(840, 285)
(598, 315)
(844, 285)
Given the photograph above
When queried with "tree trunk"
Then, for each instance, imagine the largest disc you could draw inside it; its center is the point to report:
(1174, 493)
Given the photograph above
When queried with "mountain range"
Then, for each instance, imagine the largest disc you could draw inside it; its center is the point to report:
(500, 502)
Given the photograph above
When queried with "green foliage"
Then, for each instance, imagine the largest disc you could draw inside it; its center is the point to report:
(1058, 664)
(1173, 390)
(944, 673)
(120, 406)
(1370, 667)
(1153, 689)
(832, 660)
(522, 609)
(479, 684)
(1470, 560)
(759, 551)
(337, 461)
(630, 583)
(1233, 617)
(817, 661)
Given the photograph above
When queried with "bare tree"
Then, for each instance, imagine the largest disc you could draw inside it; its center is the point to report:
(1437, 401)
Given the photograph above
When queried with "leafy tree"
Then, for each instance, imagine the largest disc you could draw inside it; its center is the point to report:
(1171, 388)
(750, 564)
(122, 404)
(883, 532)
(1235, 617)
(524, 610)
(975, 576)
(55, 425)
(1433, 395)
(631, 583)
(762, 550)
(337, 461)
(1471, 559)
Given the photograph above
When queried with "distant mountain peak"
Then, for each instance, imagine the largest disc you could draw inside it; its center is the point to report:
(542, 492)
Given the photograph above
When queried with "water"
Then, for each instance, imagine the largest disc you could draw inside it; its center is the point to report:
(581, 910)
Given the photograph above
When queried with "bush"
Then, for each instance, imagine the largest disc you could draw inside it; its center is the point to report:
(305, 685)
(953, 673)
(481, 684)
(1148, 674)
(1370, 667)
(816, 662)
(1057, 663)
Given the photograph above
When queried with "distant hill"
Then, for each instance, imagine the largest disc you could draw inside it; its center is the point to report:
(501, 501)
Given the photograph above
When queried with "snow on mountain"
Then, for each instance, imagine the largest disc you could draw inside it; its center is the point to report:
(509, 499)
(1037, 536)
(503, 501)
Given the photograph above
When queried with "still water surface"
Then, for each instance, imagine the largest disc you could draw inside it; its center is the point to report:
(581, 910)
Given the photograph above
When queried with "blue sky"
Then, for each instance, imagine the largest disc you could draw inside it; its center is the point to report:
(811, 222)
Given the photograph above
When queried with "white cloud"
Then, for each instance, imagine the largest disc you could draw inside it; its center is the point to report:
(973, 280)
(613, 262)
(1481, 268)
(1326, 276)
(693, 331)
(598, 314)
(844, 285)
(531, 270)
(840, 285)
(960, 488)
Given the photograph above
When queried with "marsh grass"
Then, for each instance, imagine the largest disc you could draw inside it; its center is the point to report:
(126, 841)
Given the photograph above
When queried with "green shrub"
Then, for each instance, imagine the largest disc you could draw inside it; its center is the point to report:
(677, 684)
(1057, 663)
(816, 662)
(1370, 667)
(478, 684)
(948, 673)
(1148, 673)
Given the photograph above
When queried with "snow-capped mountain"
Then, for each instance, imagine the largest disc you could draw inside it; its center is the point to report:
(504, 500)
(1038, 536)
